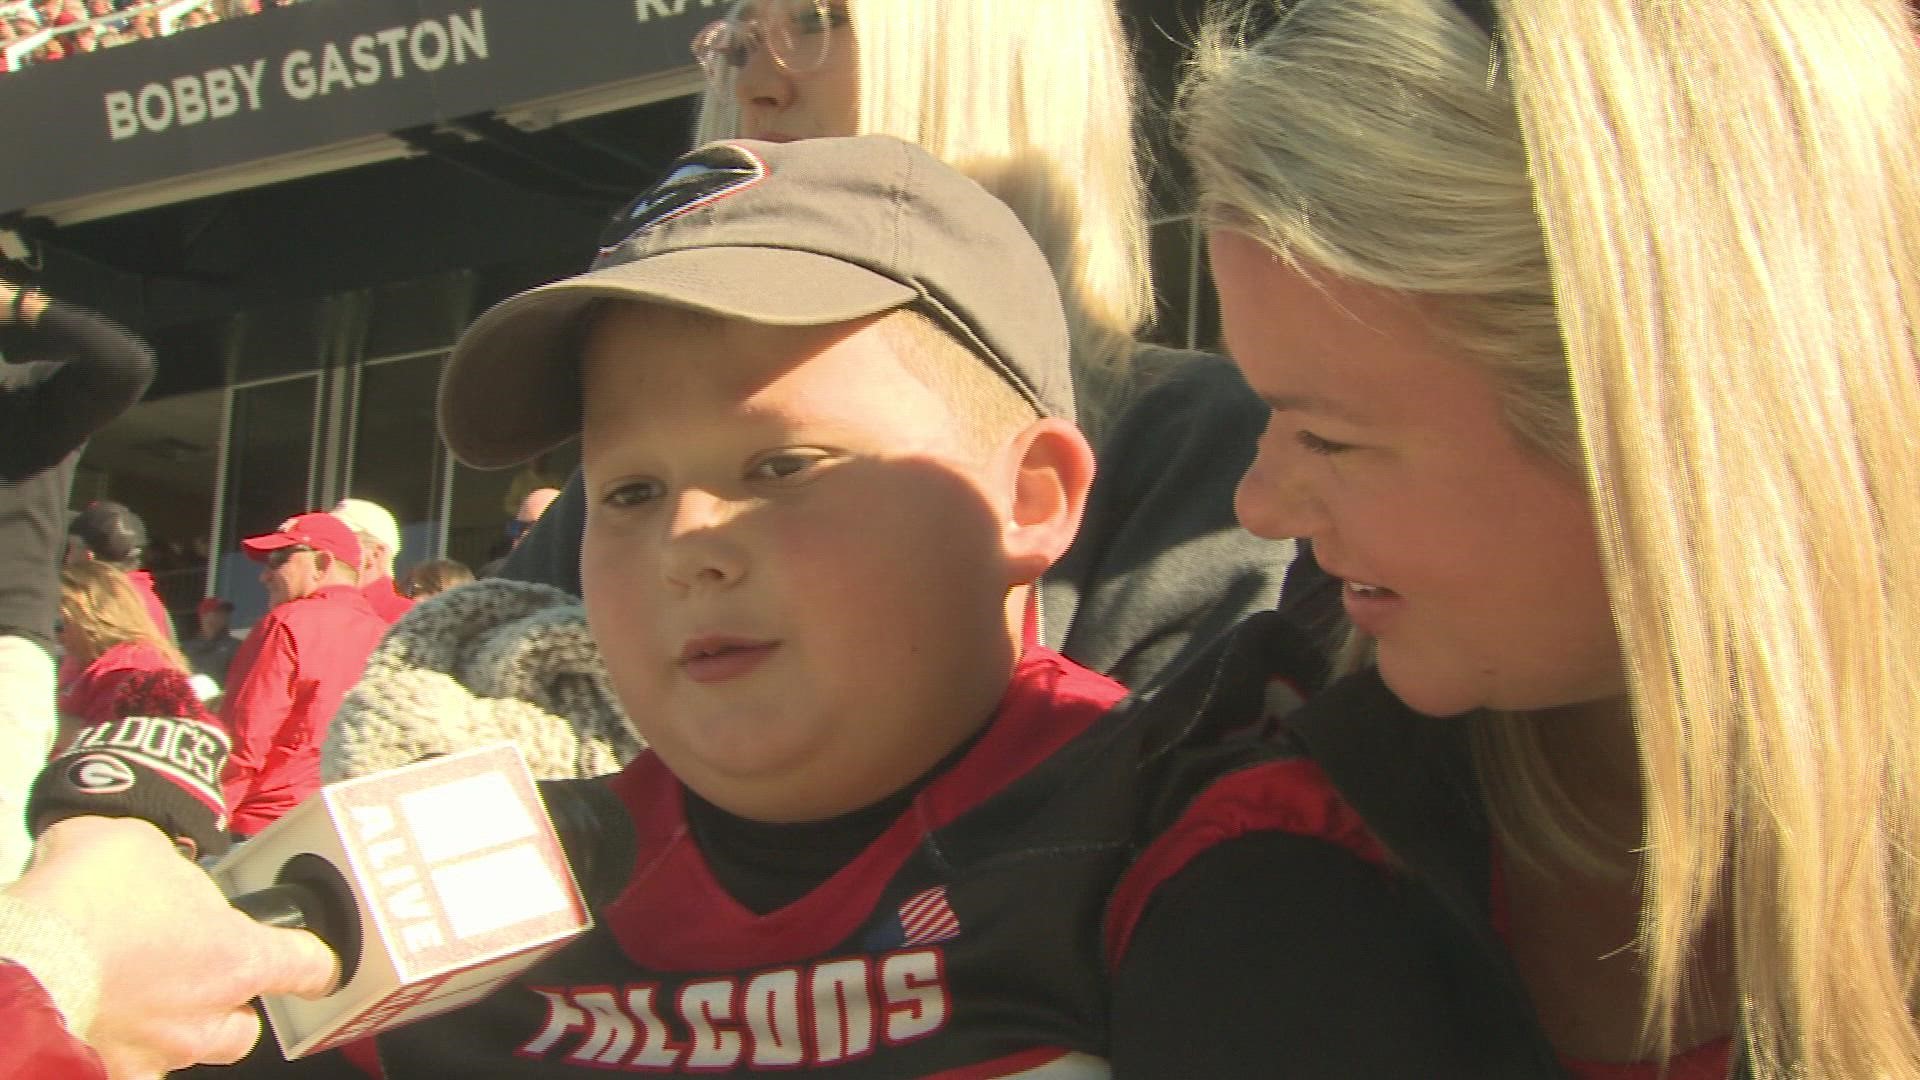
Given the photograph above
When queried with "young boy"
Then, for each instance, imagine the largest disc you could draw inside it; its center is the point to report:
(828, 444)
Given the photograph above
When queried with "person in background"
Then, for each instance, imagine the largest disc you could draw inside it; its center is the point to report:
(131, 700)
(379, 537)
(211, 647)
(1589, 334)
(295, 665)
(111, 533)
(533, 506)
(435, 576)
(1034, 99)
(106, 639)
(66, 373)
(94, 986)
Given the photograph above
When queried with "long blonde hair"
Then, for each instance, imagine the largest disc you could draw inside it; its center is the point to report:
(1048, 87)
(1722, 196)
(106, 610)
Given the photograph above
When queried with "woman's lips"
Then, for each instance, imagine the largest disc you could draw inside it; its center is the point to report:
(1368, 606)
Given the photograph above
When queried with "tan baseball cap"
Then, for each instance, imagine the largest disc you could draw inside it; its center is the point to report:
(805, 233)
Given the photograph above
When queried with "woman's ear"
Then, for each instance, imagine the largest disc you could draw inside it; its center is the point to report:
(1052, 470)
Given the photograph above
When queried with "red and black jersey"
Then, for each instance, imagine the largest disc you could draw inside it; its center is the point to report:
(965, 940)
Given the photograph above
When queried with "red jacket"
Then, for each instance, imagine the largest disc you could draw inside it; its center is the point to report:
(283, 689)
(163, 622)
(38, 1045)
(386, 600)
(87, 695)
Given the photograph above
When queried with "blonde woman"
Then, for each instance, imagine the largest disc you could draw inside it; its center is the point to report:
(1588, 331)
(108, 639)
(1033, 98)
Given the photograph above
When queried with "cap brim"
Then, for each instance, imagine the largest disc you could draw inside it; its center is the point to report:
(256, 546)
(510, 390)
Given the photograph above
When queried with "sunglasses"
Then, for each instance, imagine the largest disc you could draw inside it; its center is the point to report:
(798, 34)
(279, 557)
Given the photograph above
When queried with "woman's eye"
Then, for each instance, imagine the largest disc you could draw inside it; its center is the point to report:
(813, 16)
(1314, 444)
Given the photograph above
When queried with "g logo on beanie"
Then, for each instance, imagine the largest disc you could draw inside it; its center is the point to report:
(100, 774)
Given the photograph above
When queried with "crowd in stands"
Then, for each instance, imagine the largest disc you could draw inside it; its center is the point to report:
(42, 31)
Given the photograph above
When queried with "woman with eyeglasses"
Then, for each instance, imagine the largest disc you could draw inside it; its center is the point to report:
(1588, 330)
(1033, 98)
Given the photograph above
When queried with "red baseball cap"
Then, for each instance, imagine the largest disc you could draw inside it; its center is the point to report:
(317, 530)
(213, 603)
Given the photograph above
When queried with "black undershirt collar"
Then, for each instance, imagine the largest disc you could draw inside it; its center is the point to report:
(767, 865)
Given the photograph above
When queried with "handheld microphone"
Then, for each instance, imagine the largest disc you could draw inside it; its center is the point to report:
(434, 883)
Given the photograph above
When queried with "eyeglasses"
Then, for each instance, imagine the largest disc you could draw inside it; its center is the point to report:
(279, 557)
(798, 34)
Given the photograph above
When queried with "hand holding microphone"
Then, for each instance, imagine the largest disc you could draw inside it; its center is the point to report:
(163, 980)
(433, 883)
(436, 883)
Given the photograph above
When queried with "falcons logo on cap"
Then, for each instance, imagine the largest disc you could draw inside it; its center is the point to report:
(698, 179)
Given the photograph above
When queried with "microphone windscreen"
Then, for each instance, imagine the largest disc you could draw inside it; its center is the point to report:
(160, 760)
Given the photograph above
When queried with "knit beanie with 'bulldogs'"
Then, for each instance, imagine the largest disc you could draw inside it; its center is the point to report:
(483, 663)
(159, 760)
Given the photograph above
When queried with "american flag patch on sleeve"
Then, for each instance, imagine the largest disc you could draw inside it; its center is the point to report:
(926, 918)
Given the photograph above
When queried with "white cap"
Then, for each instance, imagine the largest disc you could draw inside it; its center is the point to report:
(370, 519)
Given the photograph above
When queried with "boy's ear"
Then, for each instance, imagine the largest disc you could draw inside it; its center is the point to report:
(1052, 470)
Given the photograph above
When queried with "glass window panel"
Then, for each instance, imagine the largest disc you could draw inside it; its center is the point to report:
(267, 481)
(159, 459)
(395, 449)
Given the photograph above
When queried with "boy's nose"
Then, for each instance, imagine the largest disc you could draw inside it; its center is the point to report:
(698, 552)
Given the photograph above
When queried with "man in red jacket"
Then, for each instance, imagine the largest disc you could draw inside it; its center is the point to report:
(379, 537)
(296, 665)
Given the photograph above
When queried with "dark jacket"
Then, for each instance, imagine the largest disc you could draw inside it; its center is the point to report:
(1363, 928)
(86, 372)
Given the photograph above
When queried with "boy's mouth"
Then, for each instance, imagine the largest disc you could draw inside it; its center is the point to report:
(717, 658)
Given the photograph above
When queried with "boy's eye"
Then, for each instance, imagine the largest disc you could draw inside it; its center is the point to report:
(784, 465)
(632, 493)
(1314, 444)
